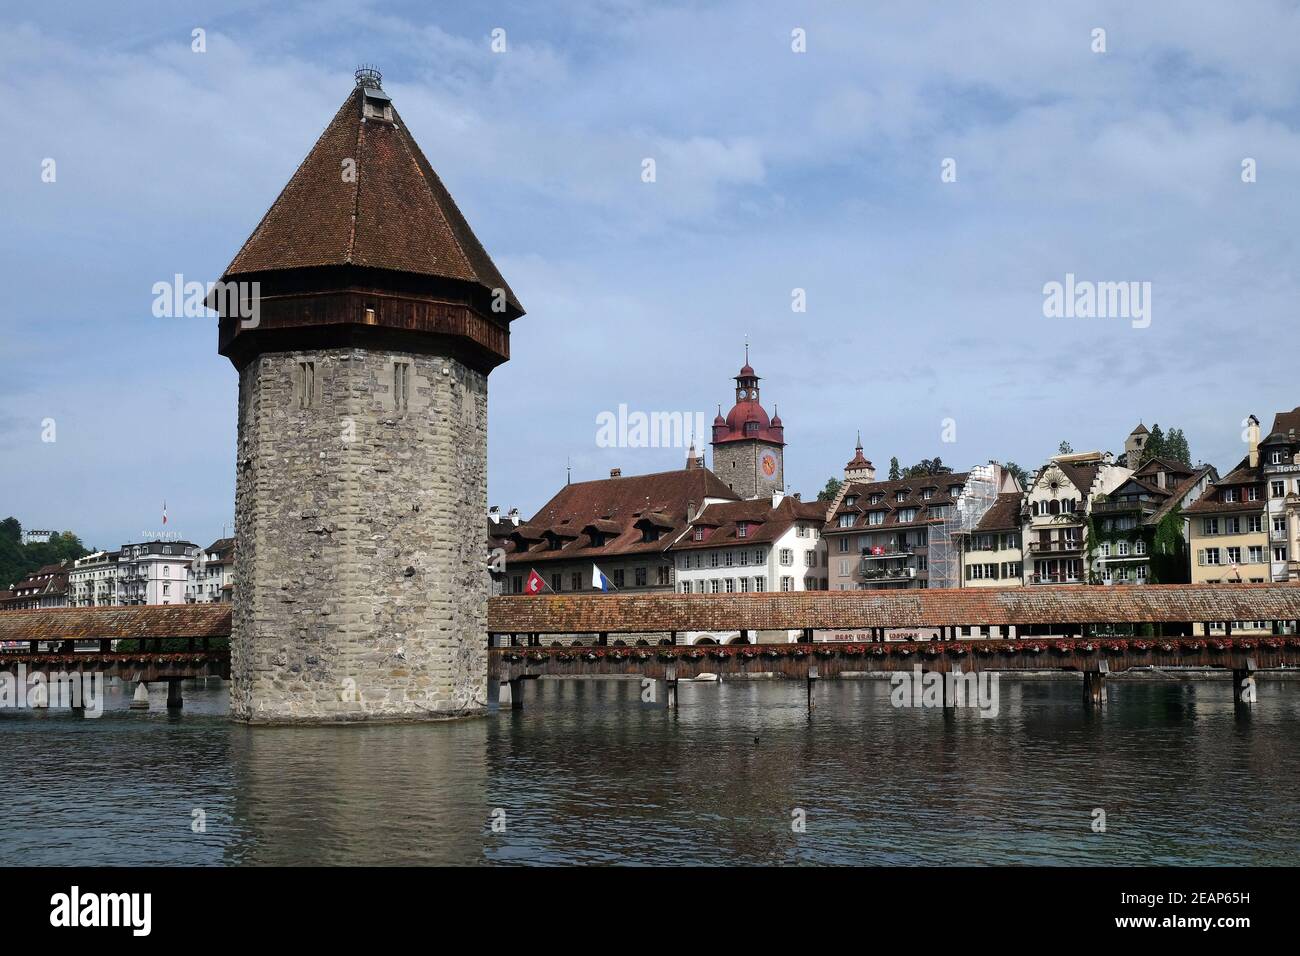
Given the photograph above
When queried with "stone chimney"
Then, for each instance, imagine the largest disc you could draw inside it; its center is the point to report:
(777, 497)
(513, 516)
(1252, 439)
(494, 513)
(690, 511)
(616, 473)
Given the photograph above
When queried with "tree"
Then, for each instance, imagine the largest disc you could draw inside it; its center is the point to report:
(894, 471)
(830, 491)
(1176, 446)
(12, 565)
(926, 467)
(1161, 444)
(17, 560)
(1065, 448)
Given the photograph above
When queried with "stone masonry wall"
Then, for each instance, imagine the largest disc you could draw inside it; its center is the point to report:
(737, 464)
(360, 579)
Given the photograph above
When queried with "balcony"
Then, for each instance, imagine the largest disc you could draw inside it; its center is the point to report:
(1059, 578)
(1120, 507)
(888, 574)
(1059, 546)
(897, 553)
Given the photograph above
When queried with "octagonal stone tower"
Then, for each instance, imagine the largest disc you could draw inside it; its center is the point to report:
(363, 354)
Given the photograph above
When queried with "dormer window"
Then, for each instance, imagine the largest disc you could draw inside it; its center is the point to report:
(742, 529)
(928, 493)
(699, 534)
(850, 501)
(900, 496)
(954, 490)
(877, 498)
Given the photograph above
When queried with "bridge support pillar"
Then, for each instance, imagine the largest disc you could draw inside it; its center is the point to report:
(670, 682)
(1243, 684)
(515, 692)
(812, 681)
(1094, 688)
(140, 700)
(174, 700)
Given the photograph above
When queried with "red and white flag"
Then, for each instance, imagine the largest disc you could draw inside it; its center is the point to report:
(164, 512)
(534, 583)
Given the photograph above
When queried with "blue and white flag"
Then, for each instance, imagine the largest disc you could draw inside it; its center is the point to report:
(598, 579)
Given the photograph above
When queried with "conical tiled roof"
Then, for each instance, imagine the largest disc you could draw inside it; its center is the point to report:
(367, 196)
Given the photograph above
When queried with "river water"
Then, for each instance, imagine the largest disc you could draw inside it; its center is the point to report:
(587, 772)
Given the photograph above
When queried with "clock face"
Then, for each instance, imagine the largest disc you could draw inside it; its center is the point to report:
(768, 463)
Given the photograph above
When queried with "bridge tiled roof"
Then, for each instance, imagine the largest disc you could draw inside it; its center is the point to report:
(141, 621)
(623, 613)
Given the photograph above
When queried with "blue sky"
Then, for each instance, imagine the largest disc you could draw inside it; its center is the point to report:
(775, 170)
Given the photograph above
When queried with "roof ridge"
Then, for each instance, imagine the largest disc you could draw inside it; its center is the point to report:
(349, 257)
(285, 188)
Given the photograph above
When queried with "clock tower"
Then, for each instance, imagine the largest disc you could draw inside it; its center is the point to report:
(748, 446)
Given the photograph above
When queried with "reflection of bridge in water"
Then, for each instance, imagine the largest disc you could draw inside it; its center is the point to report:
(1063, 629)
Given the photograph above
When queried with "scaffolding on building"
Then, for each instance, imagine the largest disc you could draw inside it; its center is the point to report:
(948, 535)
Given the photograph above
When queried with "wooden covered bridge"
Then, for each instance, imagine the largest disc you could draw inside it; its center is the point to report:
(1064, 628)
(172, 643)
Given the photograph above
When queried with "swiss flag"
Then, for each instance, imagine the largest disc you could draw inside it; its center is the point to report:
(534, 584)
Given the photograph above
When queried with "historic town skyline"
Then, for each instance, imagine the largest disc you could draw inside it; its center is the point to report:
(924, 297)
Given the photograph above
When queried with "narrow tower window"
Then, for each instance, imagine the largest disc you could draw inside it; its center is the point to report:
(401, 385)
(306, 383)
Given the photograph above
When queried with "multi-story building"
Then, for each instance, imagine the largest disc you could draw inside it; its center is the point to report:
(1058, 502)
(211, 578)
(1280, 460)
(992, 554)
(622, 525)
(45, 587)
(92, 582)
(1228, 531)
(905, 533)
(1138, 528)
(154, 572)
(754, 545)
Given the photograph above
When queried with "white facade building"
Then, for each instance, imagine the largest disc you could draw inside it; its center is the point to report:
(154, 572)
(751, 546)
(211, 578)
(92, 582)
